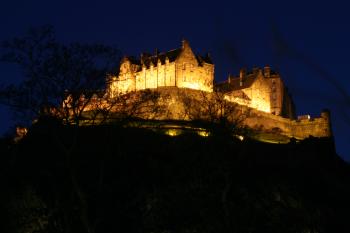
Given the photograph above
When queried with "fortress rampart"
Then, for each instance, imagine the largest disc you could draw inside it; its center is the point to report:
(173, 101)
(299, 129)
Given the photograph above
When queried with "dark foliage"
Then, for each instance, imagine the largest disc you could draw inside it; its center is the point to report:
(114, 179)
(51, 70)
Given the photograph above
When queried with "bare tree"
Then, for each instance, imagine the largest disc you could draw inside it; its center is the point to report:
(213, 109)
(57, 81)
(95, 109)
(66, 82)
(51, 69)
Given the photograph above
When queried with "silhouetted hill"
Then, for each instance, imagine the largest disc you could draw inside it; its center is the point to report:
(115, 179)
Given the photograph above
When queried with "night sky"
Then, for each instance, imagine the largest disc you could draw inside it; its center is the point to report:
(306, 42)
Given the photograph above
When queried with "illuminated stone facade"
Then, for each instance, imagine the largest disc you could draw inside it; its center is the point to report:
(260, 89)
(176, 68)
(180, 77)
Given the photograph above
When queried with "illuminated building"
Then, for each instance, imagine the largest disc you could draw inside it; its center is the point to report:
(260, 89)
(176, 68)
(259, 95)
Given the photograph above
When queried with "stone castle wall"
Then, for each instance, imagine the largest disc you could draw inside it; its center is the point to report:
(260, 94)
(155, 76)
(177, 104)
(172, 99)
(300, 129)
(265, 93)
(190, 74)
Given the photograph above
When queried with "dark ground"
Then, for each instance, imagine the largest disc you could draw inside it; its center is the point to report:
(113, 179)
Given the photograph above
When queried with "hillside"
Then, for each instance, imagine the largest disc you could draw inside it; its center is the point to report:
(114, 179)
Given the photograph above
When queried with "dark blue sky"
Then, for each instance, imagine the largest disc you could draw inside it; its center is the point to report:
(314, 59)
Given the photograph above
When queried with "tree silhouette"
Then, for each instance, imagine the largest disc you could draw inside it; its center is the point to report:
(94, 109)
(212, 109)
(51, 69)
(65, 84)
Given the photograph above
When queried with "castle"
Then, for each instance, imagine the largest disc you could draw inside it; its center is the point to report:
(261, 92)
(177, 68)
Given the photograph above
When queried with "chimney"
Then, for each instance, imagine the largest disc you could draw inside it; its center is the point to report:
(242, 74)
(255, 70)
(141, 58)
(267, 71)
(144, 56)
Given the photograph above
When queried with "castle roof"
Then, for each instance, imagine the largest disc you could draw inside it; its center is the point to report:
(204, 59)
(149, 59)
(235, 83)
(171, 55)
